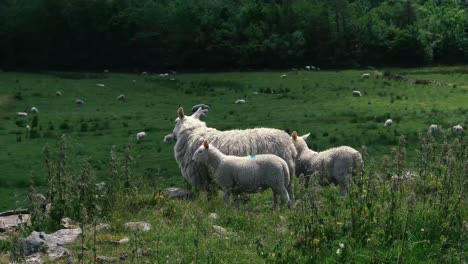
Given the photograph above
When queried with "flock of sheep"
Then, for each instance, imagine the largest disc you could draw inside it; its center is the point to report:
(252, 160)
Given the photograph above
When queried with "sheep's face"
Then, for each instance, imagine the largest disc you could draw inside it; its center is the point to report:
(183, 121)
(300, 142)
(201, 153)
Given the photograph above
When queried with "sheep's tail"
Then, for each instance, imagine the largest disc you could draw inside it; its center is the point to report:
(287, 176)
(287, 197)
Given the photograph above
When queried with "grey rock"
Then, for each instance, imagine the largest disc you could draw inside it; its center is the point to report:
(34, 259)
(34, 243)
(12, 220)
(100, 227)
(104, 259)
(38, 241)
(178, 193)
(138, 226)
(57, 252)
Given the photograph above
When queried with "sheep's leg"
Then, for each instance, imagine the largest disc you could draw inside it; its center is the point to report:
(276, 201)
(227, 197)
(344, 186)
(290, 193)
(236, 200)
(284, 196)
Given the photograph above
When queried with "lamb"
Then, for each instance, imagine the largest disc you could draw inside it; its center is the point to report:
(100, 84)
(140, 136)
(434, 130)
(307, 68)
(240, 101)
(336, 164)
(248, 174)
(121, 98)
(457, 128)
(283, 76)
(79, 102)
(365, 76)
(190, 131)
(357, 93)
(106, 71)
(388, 123)
(34, 110)
(58, 93)
(169, 138)
(23, 114)
(144, 73)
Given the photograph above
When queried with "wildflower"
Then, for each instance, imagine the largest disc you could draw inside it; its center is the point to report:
(338, 251)
(341, 245)
(422, 229)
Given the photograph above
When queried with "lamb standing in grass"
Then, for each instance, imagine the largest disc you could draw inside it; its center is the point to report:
(365, 76)
(121, 98)
(433, 130)
(190, 131)
(457, 128)
(58, 93)
(248, 174)
(240, 101)
(336, 164)
(34, 110)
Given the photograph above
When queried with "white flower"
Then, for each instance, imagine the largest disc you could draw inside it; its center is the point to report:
(338, 251)
(341, 245)
(422, 229)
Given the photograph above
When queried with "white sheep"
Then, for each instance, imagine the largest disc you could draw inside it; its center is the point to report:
(433, 130)
(106, 71)
(34, 110)
(140, 136)
(100, 84)
(357, 93)
(458, 128)
(365, 76)
(23, 114)
(249, 174)
(240, 101)
(144, 73)
(121, 98)
(189, 130)
(58, 93)
(169, 138)
(283, 76)
(307, 67)
(335, 164)
(388, 123)
(79, 102)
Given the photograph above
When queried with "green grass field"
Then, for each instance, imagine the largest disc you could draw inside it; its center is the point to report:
(421, 219)
(316, 102)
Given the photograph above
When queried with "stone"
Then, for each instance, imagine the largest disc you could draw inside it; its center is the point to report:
(178, 193)
(11, 219)
(38, 199)
(101, 227)
(220, 230)
(39, 241)
(104, 259)
(34, 259)
(213, 216)
(67, 223)
(57, 252)
(138, 226)
(34, 243)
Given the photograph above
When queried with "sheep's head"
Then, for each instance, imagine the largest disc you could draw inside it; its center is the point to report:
(201, 152)
(187, 121)
(299, 141)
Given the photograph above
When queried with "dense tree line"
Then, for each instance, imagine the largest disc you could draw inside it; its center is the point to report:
(230, 34)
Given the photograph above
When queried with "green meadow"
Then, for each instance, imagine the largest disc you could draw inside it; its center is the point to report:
(317, 102)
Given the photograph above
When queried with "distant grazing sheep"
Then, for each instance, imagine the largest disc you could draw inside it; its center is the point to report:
(388, 123)
(58, 93)
(189, 131)
(248, 174)
(22, 114)
(144, 73)
(106, 71)
(203, 106)
(365, 76)
(121, 98)
(100, 84)
(457, 128)
(307, 68)
(357, 93)
(335, 164)
(79, 102)
(434, 130)
(140, 136)
(34, 110)
(240, 101)
(169, 138)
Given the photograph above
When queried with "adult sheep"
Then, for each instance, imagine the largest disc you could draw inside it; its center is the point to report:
(190, 132)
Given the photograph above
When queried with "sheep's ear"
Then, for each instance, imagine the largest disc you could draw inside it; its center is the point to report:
(200, 112)
(305, 136)
(205, 144)
(180, 112)
(294, 135)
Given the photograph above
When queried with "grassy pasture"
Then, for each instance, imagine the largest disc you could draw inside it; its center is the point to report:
(316, 102)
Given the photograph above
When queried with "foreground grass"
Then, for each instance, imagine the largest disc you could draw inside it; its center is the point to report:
(316, 102)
